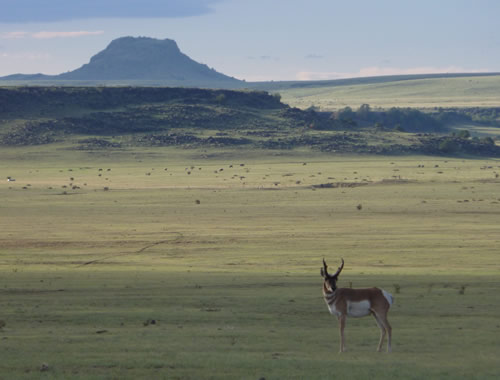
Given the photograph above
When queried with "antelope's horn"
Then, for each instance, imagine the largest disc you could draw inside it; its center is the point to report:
(340, 269)
(325, 268)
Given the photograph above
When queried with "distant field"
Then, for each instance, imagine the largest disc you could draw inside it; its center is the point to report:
(204, 263)
(473, 91)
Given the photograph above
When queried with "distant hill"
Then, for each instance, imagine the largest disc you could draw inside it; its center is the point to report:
(382, 79)
(415, 91)
(143, 59)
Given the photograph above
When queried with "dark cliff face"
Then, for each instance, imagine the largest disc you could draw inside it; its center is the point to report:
(144, 58)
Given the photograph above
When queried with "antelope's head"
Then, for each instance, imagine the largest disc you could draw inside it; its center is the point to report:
(331, 280)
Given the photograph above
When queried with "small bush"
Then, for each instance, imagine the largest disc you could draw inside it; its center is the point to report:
(397, 288)
(463, 134)
(221, 98)
(461, 291)
(448, 146)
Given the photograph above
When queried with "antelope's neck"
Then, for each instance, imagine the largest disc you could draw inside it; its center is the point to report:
(328, 294)
(330, 297)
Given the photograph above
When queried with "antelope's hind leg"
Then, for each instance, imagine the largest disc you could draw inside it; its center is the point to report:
(384, 325)
(382, 332)
(389, 335)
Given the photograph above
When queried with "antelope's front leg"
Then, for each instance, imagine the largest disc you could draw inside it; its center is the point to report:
(342, 319)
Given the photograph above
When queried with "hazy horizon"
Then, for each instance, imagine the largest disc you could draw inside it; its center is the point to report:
(261, 40)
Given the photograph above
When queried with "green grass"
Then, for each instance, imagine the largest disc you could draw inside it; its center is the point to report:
(232, 280)
(418, 93)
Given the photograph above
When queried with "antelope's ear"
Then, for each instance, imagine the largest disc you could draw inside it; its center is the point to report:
(322, 273)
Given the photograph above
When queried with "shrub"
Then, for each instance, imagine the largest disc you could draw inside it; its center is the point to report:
(488, 141)
(448, 146)
(221, 98)
(463, 134)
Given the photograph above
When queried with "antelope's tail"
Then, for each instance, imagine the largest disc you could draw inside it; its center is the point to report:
(388, 296)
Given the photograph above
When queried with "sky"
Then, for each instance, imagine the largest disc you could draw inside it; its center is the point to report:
(261, 40)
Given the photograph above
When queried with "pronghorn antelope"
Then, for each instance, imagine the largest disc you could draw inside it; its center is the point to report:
(344, 302)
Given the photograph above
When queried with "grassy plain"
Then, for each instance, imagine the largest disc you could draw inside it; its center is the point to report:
(222, 249)
(418, 93)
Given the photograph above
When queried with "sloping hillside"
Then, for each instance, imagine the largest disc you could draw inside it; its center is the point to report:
(410, 91)
(109, 118)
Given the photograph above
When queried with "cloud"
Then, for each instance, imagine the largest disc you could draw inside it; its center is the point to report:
(382, 71)
(21, 11)
(13, 35)
(378, 71)
(81, 33)
(47, 35)
(314, 56)
(319, 75)
(264, 58)
(26, 55)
